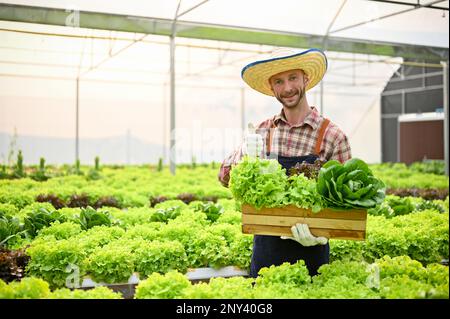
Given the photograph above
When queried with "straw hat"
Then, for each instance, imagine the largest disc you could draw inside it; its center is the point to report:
(313, 62)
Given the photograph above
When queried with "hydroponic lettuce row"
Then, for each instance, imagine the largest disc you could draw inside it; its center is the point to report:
(129, 241)
(264, 183)
(386, 278)
(36, 288)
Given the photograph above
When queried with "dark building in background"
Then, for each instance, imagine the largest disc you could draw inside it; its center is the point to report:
(421, 136)
(411, 89)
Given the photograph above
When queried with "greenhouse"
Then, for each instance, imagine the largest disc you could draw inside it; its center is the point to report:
(213, 149)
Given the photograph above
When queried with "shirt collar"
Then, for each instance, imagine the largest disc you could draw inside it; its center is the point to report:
(312, 119)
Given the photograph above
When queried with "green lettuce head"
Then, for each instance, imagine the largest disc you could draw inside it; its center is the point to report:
(260, 183)
(350, 185)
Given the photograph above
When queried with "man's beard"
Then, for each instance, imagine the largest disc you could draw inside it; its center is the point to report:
(300, 93)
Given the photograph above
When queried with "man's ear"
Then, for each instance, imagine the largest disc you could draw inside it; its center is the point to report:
(269, 81)
(305, 79)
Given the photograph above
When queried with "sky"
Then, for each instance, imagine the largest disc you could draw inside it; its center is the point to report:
(128, 94)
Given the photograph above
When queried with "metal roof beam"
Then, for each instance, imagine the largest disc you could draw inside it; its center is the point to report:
(381, 18)
(147, 25)
(429, 6)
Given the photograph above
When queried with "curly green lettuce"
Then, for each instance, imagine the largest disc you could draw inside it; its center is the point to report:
(303, 193)
(260, 183)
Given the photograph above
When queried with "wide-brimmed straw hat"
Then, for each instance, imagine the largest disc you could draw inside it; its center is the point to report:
(313, 62)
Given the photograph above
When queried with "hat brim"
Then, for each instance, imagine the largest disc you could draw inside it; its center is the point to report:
(257, 74)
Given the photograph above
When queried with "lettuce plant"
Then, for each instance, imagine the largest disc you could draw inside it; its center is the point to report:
(287, 274)
(349, 185)
(303, 193)
(89, 217)
(160, 257)
(157, 286)
(38, 219)
(27, 288)
(260, 183)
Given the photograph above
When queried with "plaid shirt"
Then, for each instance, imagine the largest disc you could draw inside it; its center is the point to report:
(296, 140)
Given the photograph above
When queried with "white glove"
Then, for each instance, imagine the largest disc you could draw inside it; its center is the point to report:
(303, 236)
(253, 143)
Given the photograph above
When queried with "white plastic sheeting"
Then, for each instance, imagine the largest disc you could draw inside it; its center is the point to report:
(124, 93)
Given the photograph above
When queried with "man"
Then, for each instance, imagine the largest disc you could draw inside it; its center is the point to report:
(298, 134)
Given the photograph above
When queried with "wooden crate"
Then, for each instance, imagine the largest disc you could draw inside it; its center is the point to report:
(329, 223)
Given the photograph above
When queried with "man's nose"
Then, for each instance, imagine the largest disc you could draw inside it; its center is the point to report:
(288, 88)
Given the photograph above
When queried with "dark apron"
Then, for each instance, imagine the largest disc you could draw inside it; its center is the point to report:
(272, 250)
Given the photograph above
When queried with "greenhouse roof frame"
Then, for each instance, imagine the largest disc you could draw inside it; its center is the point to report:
(159, 26)
(416, 5)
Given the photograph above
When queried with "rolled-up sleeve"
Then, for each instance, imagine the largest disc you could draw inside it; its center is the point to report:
(225, 168)
(342, 151)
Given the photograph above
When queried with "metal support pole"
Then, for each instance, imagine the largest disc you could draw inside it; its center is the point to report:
(445, 91)
(172, 158)
(127, 151)
(77, 156)
(164, 152)
(321, 97)
(172, 105)
(243, 112)
(325, 46)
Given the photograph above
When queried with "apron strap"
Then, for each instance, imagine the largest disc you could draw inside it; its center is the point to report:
(319, 140)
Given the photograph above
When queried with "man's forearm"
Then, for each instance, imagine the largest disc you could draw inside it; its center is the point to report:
(224, 175)
(225, 168)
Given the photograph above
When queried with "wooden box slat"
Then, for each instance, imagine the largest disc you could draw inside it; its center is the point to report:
(286, 231)
(288, 221)
(291, 210)
(330, 223)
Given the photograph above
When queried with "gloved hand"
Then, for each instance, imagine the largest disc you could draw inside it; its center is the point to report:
(253, 143)
(303, 236)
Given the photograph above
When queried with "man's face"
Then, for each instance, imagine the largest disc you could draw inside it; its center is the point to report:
(289, 87)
